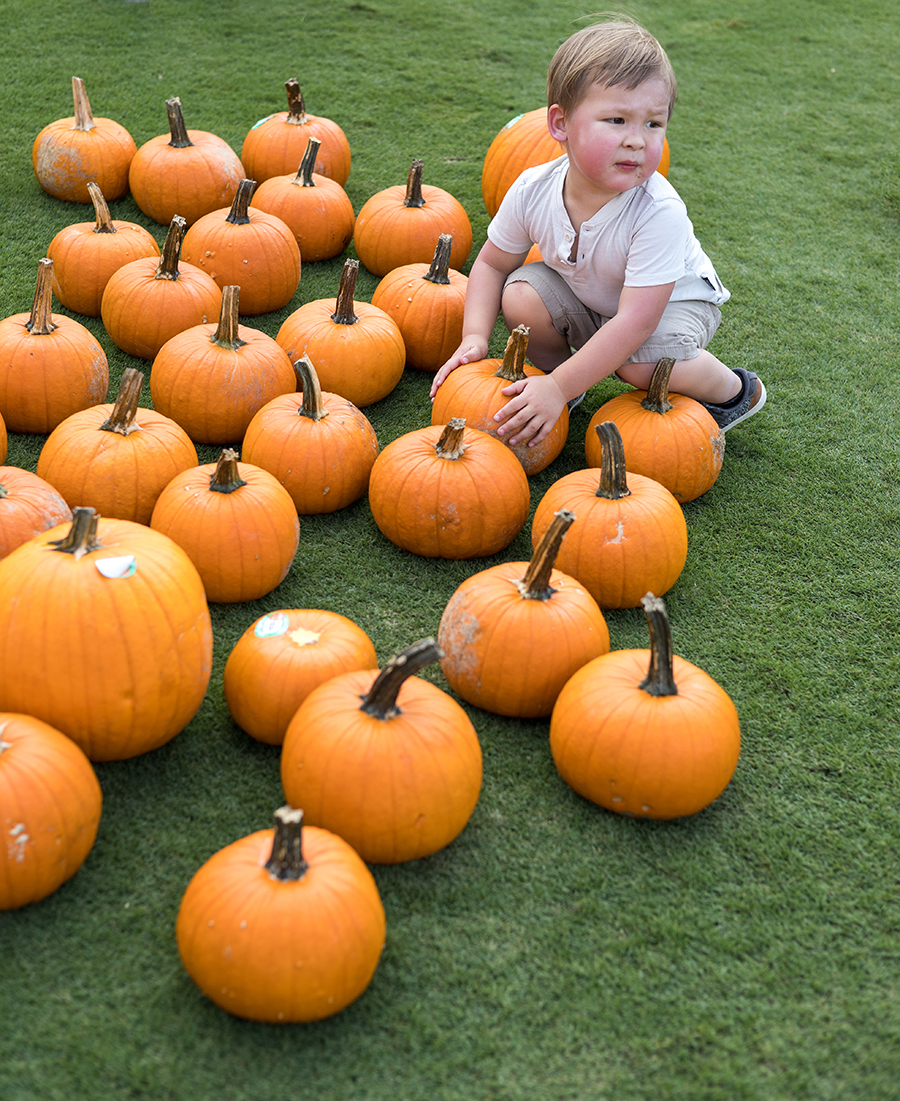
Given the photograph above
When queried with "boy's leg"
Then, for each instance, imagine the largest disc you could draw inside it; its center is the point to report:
(704, 378)
(522, 305)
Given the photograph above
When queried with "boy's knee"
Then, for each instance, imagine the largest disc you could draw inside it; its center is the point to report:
(521, 304)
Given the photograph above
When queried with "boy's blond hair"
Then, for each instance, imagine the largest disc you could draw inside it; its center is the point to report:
(616, 52)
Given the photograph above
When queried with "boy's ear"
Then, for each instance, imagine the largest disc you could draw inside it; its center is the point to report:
(556, 122)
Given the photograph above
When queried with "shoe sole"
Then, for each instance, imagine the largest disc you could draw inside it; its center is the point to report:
(754, 408)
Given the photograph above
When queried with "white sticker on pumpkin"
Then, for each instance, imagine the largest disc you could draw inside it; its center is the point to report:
(113, 568)
(271, 626)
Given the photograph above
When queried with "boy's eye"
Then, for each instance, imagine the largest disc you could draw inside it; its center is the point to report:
(618, 122)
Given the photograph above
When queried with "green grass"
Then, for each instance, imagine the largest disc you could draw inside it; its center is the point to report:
(553, 950)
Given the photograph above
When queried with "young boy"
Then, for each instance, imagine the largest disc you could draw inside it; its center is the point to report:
(624, 281)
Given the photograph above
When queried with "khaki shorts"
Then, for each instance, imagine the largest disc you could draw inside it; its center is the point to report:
(684, 330)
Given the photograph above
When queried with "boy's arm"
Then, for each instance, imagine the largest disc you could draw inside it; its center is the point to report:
(483, 292)
(535, 404)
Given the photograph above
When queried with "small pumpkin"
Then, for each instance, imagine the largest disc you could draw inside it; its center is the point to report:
(281, 658)
(427, 302)
(668, 437)
(28, 506)
(317, 210)
(50, 365)
(320, 447)
(86, 254)
(449, 491)
(236, 523)
(50, 805)
(283, 926)
(71, 152)
(104, 634)
(475, 391)
(116, 458)
(246, 247)
(386, 760)
(185, 172)
(644, 732)
(513, 634)
(399, 225)
(146, 302)
(357, 349)
(212, 379)
(631, 536)
(275, 144)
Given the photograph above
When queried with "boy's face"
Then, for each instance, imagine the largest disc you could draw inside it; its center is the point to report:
(614, 138)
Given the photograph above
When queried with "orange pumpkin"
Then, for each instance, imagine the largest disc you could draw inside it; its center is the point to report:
(668, 437)
(213, 379)
(104, 634)
(474, 391)
(396, 776)
(399, 225)
(50, 365)
(116, 458)
(283, 926)
(317, 210)
(50, 804)
(28, 506)
(427, 302)
(631, 537)
(662, 743)
(86, 254)
(320, 447)
(3, 441)
(185, 172)
(357, 349)
(72, 151)
(449, 492)
(147, 301)
(512, 635)
(275, 145)
(236, 523)
(248, 248)
(281, 658)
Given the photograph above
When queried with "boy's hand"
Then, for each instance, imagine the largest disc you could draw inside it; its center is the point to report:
(529, 417)
(472, 349)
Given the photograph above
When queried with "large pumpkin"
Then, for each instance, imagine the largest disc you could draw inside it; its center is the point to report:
(449, 491)
(513, 634)
(71, 152)
(645, 733)
(386, 760)
(50, 803)
(399, 225)
(104, 634)
(28, 506)
(285, 925)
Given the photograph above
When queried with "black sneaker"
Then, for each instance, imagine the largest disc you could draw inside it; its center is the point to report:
(749, 401)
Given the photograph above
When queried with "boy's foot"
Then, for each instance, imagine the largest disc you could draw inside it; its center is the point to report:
(749, 401)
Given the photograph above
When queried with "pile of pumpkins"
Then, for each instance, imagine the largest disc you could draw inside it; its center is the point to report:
(111, 552)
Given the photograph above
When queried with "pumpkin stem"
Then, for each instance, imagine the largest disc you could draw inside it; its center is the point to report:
(312, 406)
(226, 334)
(512, 369)
(40, 322)
(177, 128)
(286, 860)
(414, 184)
(613, 485)
(101, 210)
(81, 537)
(343, 312)
(660, 679)
(440, 262)
(535, 585)
(297, 115)
(168, 262)
(225, 478)
(450, 445)
(239, 215)
(304, 177)
(125, 407)
(657, 399)
(84, 120)
(381, 700)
